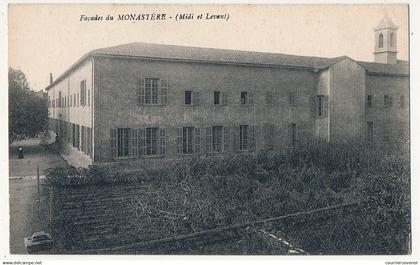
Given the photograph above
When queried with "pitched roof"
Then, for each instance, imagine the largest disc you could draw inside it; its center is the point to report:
(386, 23)
(211, 55)
(401, 68)
(223, 56)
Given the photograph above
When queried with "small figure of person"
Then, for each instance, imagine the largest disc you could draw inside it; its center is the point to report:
(20, 152)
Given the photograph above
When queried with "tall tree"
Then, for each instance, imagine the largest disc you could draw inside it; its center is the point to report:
(28, 113)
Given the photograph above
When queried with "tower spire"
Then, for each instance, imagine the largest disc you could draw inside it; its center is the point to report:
(386, 41)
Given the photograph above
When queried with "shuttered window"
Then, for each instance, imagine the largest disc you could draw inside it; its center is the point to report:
(269, 135)
(216, 98)
(187, 140)
(388, 101)
(247, 98)
(151, 141)
(196, 98)
(246, 137)
(152, 91)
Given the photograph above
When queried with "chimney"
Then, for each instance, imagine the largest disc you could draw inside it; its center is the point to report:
(51, 78)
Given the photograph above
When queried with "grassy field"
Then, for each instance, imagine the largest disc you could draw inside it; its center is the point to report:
(96, 209)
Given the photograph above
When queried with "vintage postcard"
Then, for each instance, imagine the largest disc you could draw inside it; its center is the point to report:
(211, 129)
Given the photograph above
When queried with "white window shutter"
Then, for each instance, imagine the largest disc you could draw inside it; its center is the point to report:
(252, 137)
(135, 142)
(209, 139)
(141, 92)
(224, 98)
(250, 98)
(162, 141)
(197, 135)
(114, 142)
(164, 85)
(196, 98)
(142, 134)
(179, 141)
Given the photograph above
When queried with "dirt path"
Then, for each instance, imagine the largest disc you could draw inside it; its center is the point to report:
(26, 215)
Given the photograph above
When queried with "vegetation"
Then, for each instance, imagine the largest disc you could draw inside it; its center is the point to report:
(28, 114)
(203, 193)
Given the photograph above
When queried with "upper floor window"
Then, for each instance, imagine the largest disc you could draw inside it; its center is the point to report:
(216, 98)
(321, 106)
(387, 101)
(381, 40)
(269, 98)
(188, 97)
(83, 93)
(152, 91)
(191, 97)
(292, 99)
(369, 101)
(247, 98)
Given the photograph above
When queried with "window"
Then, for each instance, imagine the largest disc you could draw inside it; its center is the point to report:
(247, 98)
(59, 99)
(369, 101)
(216, 98)
(83, 93)
(123, 142)
(370, 131)
(191, 98)
(387, 101)
(188, 97)
(269, 135)
(292, 99)
(217, 139)
(269, 99)
(319, 108)
(151, 141)
(381, 41)
(152, 91)
(187, 140)
(246, 137)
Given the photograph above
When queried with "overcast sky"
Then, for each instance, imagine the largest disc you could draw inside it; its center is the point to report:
(50, 38)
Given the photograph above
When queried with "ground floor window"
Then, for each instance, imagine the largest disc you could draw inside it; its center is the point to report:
(187, 140)
(151, 141)
(217, 139)
(123, 135)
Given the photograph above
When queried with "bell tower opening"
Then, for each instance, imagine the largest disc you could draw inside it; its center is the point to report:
(385, 42)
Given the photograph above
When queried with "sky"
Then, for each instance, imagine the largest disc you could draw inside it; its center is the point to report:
(46, 38)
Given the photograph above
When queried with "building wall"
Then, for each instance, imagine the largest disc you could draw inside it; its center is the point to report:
(389, 123)
(347, 100)
(117, 85)
(72, 113)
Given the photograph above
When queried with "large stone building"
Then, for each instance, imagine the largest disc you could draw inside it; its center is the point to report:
(144, 102)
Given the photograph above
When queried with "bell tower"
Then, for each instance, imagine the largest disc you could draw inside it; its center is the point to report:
(386, 42)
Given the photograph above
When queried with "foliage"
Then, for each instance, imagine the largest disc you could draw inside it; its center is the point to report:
(28, 114)
(197, 194)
